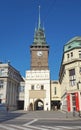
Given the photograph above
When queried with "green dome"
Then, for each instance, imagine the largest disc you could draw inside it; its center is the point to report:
(73, 43)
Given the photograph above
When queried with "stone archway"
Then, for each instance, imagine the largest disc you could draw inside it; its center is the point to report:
(38, 105)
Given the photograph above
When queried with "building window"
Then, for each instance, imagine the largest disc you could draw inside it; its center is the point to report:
(72, 79)
(80, 70)
(42, 87)
(79, 55)
(72, 82)
(67, 55)
(69, 47)
(1, 84)
(71, 54)
(55, 90)
(72, 72)
(21, 89)
(32, 87)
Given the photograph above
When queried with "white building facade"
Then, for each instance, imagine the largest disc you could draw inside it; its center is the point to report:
(37, 90)
(37, 81)
(10, 80)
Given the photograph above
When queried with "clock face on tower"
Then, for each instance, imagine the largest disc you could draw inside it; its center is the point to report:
(39, 53)
(37, 86)
(39, 58)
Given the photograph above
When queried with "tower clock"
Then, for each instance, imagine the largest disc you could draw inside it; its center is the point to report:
(39, 51)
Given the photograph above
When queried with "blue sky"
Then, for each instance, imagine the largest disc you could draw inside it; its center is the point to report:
(18, 19)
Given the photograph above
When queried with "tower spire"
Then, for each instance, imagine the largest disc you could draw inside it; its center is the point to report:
(39, 21)
(39, 35)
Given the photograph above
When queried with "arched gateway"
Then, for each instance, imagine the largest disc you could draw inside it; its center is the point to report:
(38, 105)
(37, 81)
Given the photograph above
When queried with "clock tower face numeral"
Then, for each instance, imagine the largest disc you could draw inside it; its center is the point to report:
(39, 53)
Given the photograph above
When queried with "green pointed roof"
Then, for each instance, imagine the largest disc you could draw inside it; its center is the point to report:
(39, 36)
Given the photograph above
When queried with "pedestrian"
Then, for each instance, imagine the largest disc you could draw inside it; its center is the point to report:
(7, 108)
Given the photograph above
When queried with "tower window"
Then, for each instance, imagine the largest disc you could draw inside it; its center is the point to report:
(42, 87)
(32, 87)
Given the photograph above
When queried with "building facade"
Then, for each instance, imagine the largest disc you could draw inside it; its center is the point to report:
(55, 95)
(70, 75)
(21, 89)
(10, 80)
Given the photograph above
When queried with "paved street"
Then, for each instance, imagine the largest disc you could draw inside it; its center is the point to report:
(39, 120)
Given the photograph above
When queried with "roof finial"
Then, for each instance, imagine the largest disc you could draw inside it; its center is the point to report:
(39, 21)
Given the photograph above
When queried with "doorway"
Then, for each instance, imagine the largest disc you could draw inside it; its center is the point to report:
(20, 105)
(55, 105)
(38, 105)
